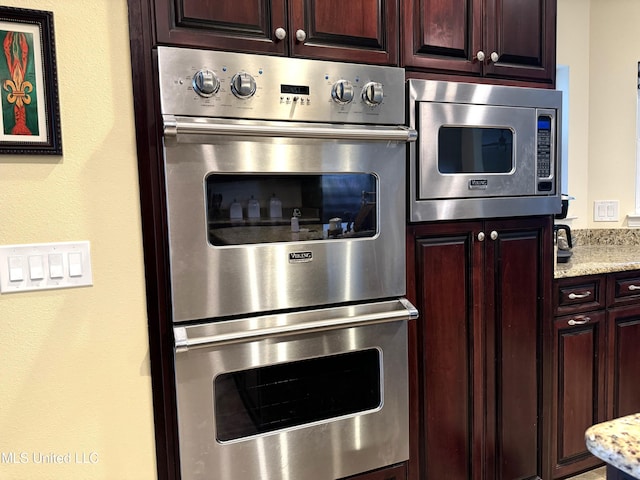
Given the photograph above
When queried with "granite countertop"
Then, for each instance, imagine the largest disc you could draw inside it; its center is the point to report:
(617, 442)
(602, 251)
(594, 259)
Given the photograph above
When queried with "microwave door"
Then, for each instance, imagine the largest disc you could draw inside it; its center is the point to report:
(473, 151)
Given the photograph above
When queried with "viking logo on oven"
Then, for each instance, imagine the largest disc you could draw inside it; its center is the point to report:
(478, 184)
(300, 257)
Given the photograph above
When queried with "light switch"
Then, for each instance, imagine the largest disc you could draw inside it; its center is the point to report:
(15, 269)
(75, 264)
(56, 268)
(45, 266)
(36, 272)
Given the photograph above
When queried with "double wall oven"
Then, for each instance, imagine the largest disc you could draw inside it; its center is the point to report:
(285, 189)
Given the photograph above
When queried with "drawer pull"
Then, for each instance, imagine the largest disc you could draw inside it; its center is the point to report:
(634, 287)
(581, 320)
(574, 296)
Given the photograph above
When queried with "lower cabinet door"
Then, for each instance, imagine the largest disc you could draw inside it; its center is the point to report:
(578, 389)
(623, 338)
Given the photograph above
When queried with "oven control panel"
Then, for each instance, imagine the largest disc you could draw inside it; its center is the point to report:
(234, 85)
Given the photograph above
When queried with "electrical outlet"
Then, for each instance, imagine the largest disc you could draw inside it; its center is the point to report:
(605, 211)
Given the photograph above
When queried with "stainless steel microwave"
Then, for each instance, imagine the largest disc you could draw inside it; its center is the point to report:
(482, 150)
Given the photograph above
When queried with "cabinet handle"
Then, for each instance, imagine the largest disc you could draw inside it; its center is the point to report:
(301, 36)
(480, 56)
(579, 320)
(481, 237)
(494, 57)
(574, 296)
(281, 33)
(634, 287)
(494, 235)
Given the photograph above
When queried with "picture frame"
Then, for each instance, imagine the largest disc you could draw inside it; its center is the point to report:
(29, 108)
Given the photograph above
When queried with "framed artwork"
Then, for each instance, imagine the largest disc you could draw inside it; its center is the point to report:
(29, 113)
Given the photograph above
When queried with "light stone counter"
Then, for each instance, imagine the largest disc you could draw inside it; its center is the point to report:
(594, 259)
(617, 442)
(602, 251)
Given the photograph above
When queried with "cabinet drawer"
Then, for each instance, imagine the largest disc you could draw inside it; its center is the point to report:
(623, 288)
(579, 294)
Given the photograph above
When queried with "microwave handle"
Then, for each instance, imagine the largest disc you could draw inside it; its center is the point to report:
(401, 309)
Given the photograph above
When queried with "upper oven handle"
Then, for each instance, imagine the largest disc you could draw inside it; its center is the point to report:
(174, 127)
(297, 323)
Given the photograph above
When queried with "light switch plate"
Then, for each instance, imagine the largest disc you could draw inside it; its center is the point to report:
(45, 266)
(605, 211)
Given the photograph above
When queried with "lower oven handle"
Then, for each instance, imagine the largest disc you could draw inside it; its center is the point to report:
(174, 127)
(404, 311)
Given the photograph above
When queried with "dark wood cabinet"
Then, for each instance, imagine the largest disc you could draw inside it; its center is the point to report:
(623, 381)
(579, 389)
(481, 340)
(499, 39)
(363, 31)
(596, 361)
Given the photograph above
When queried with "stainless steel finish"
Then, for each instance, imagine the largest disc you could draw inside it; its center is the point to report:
(179, 65)
(279, 133)
(185, 125)
(335, 448)
(372, 93)
(342, 92)
(575, 296)
(210, 281)
(437, 196)
(243, 85)
(205, 83)
(494, 235)
(481, 236)
(579, 320)
(297, 323)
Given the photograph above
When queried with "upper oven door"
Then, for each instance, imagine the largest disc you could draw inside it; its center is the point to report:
(232, 190)
(471, 151)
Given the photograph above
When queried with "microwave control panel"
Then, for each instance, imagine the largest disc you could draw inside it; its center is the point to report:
(544, 154)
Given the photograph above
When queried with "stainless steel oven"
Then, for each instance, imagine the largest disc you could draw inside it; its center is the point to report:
(285, 184)
(318, 394)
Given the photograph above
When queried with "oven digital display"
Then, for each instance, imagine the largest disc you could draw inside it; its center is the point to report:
(295, 89)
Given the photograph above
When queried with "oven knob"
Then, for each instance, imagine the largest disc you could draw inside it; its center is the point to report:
(372, 93)
(205, 83)
(243, 85)
(342, 91)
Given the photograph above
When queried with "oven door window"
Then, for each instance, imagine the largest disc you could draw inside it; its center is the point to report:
(265, 399)
(475, 150)
(253, 208)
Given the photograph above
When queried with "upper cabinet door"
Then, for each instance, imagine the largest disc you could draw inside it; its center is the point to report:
(522, 35)
(364, 31)
(442, 35)
(239, 25)
(500, 39)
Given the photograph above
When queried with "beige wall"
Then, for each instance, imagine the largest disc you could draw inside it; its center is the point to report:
(74, 364)
(598, 40)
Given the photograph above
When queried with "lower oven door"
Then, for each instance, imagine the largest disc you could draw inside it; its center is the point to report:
(314, 395)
